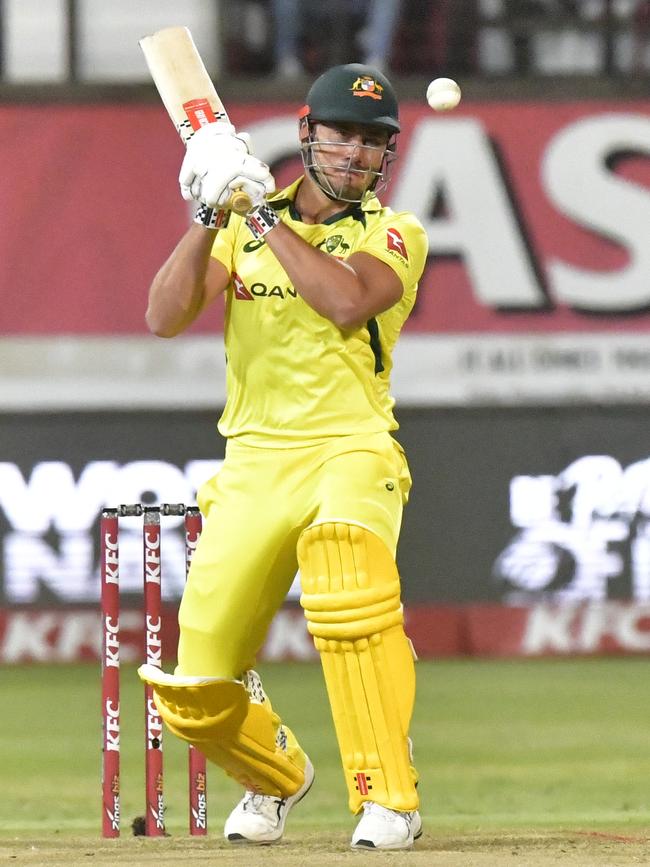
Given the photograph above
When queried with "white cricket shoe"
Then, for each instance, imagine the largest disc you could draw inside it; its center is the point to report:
(381, 828)
(261, 818)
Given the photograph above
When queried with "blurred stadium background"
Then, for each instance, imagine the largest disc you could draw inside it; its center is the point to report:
(523, 376)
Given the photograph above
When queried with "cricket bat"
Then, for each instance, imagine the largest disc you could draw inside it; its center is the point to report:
(185, 88)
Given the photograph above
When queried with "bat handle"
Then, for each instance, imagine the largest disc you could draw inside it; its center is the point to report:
(240, 202)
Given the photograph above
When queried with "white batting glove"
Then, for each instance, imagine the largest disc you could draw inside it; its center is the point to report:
(211, 144)
(217, 163)
(254, 179)
(256, 183)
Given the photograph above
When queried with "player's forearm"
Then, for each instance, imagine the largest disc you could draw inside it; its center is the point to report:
(331, 287)
(177, 292)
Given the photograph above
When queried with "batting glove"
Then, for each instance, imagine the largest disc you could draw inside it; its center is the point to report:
(217, 163)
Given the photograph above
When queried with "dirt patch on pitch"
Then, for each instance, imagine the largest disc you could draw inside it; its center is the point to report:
(579, 849)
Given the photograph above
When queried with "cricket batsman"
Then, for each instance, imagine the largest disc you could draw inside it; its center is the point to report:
(312, 477)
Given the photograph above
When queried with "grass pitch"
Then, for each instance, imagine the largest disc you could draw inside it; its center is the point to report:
(521, 762)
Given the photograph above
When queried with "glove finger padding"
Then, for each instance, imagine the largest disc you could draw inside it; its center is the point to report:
(246, 138)
(213, 150)
(206, 135)
(255, 190)
(215, 190)
(195, 188)
(255, 180)
(256, 170)
(251, 175)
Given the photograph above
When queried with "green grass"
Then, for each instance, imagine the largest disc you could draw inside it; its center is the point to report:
(502, 747)
(539, 744)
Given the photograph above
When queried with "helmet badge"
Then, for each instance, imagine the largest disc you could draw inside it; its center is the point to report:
(365, 85)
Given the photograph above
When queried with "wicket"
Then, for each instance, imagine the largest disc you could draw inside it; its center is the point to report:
(152, 621)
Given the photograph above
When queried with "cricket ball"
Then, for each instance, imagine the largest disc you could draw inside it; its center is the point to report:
(443, 94)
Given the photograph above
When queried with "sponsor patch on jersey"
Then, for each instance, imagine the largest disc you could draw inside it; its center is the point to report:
(395, 242)
(241, 292)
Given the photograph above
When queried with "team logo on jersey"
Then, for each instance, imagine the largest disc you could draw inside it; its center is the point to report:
(365, 85)
(334, 243)
(395, 242)
(241, 292)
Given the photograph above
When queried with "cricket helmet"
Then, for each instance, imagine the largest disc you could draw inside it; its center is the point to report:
(351, 93)
(354, 93)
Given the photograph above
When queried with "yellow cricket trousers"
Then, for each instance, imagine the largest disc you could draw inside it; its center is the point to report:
(254, 511)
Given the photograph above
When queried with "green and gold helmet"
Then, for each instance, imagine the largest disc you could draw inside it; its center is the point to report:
(353, 93)
(349, 94)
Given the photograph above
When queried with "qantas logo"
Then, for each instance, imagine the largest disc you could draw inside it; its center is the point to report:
(395, 242)
(241, 292)
(260, 290)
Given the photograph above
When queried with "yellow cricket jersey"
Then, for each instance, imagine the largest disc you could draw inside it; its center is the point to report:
(292, 375)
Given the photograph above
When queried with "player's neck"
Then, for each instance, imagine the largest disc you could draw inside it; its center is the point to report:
(313, 205)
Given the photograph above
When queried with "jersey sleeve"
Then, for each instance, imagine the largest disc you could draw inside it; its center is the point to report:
(400, 241)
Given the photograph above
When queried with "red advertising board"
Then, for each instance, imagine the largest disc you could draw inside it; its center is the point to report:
(587, 629)
(537, 213)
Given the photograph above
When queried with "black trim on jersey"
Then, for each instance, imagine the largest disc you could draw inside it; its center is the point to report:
(375, 344)
(280, 204)
(356, 212)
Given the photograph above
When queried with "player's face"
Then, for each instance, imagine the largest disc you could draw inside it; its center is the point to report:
(349, 156)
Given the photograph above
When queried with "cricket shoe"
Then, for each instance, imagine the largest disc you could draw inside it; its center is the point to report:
(261, 818)
(381, 828)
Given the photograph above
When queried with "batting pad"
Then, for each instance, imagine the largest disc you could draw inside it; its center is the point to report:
(351, 597)
(243, 737)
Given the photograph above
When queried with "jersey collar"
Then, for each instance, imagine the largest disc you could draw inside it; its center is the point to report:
(285, 199)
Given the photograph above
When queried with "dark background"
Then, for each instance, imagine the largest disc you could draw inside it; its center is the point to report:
(462, 460)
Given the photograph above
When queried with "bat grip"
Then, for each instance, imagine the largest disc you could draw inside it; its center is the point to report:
(240, 202)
